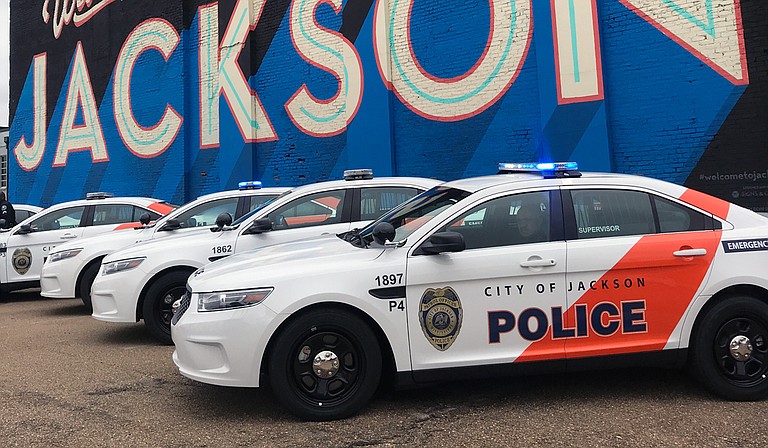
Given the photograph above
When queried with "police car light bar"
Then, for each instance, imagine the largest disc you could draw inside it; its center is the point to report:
(547, 169)
(99, 195)
(358, 174)
(249, 185)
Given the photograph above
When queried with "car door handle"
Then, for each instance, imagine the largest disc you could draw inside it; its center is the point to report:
(67, 236)
(690, 252)
(538, 263)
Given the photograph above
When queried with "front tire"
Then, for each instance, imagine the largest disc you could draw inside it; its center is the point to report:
(325, 365)
(730, 349)
(89, 275)
(158, 304)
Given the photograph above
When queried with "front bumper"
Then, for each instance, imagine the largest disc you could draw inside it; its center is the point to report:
(224, 348)
(115, 297)
(57, 280)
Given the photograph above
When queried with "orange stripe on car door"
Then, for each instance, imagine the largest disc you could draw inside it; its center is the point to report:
(670, 285)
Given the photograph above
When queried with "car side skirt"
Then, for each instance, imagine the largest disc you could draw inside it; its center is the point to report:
(673, 359)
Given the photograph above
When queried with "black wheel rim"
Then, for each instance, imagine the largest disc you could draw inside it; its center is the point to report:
(164, 306)
(334, 390)
(751, 366)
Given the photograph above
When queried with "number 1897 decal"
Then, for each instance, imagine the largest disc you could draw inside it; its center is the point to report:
(389, 279)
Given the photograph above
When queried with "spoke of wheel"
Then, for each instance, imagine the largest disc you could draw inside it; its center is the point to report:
(741, 369)
(321, 391)
(743, 325)
(346, 377)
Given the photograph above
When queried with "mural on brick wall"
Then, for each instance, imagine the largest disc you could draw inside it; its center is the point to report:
(178, 98)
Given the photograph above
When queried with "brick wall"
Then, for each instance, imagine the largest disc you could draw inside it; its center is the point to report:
(674, 90)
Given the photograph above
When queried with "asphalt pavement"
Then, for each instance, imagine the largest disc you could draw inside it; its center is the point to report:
(69, 380)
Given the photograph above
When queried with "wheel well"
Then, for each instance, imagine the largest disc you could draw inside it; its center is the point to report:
(388, 357)
(732, 291)
(79, 282)
(140, 303)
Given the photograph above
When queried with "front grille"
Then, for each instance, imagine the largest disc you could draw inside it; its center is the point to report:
(186, 299)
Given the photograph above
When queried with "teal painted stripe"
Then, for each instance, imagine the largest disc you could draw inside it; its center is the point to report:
(162, 37)
(574, 42)
(468, 95)
(210, 94)
(708, 27)
(338, 56)
(253, 123)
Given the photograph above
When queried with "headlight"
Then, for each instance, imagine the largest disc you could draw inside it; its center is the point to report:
(64, 254)
(122, 265)
(226, 300)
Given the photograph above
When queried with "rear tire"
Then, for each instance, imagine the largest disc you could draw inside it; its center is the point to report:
(730, 349)
(158, 304)
(347, 354)
(89, 275)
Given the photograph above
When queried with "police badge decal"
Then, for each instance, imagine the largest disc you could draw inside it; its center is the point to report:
(440, 316)
(21, 260)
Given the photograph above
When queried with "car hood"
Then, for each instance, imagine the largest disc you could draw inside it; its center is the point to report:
(164, 245)
(287, 261)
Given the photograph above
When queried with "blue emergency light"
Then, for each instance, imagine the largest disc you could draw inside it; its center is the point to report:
(249, 185)
(546, 169)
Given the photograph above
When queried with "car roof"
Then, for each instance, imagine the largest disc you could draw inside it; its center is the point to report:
(376, 181)
(27, 207)
(247, 192)
(133, 200)
(474, 184)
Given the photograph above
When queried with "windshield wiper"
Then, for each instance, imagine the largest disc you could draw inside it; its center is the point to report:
(354, 238)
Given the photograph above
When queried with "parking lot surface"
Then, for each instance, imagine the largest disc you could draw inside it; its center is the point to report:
(69, 380)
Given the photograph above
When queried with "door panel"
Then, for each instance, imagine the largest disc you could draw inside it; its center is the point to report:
(628, 284)
(26, 252)
(492, 302)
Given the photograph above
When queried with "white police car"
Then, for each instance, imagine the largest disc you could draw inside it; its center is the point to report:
(70, 270)
(478, 277)
(24, 248)
(144, 281)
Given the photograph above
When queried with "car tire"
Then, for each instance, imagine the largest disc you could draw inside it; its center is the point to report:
(158, 303)
(313, 341)
(730, 349)
(86, 281)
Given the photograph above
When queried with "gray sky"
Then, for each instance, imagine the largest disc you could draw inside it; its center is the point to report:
(5, 29)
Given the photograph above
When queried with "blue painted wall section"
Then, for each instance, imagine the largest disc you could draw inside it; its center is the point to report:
(407, 87)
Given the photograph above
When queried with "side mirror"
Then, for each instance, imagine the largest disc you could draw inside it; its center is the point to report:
(144, 219)
(383, 232)
(442, 242)
(171, 224)
(224, 219)
(25, 229)
(259, 226)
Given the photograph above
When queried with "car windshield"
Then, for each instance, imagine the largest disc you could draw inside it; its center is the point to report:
(411, 215)
(257, 209)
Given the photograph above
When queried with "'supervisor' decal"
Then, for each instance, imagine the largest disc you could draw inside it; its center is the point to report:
(745, 245)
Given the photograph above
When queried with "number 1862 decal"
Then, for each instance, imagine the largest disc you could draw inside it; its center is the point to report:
(226, 249)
